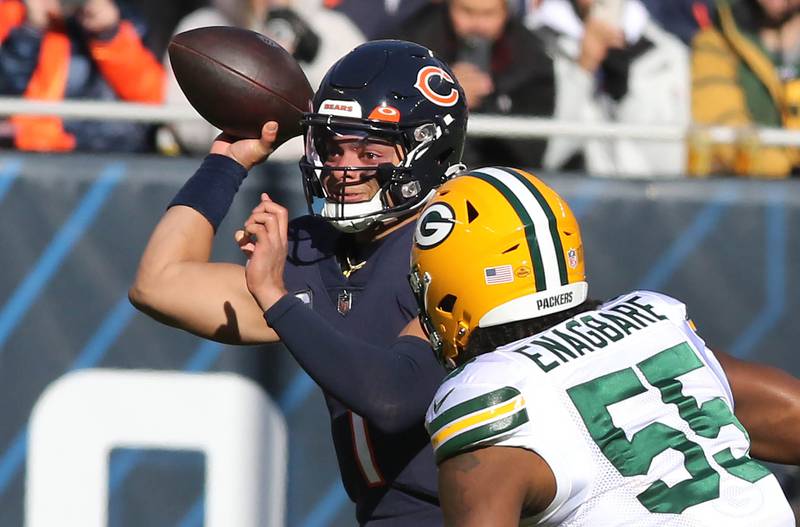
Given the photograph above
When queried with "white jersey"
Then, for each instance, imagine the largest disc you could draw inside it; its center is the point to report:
(631, 411)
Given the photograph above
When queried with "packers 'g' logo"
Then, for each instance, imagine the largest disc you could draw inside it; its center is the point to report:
(423, 84)
(434, 226)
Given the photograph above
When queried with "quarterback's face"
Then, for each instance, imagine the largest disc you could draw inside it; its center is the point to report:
(353, 186)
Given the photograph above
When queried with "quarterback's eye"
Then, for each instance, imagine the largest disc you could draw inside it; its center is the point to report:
(371, 155)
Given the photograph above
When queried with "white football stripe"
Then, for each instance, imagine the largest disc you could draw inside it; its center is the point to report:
(541, 225)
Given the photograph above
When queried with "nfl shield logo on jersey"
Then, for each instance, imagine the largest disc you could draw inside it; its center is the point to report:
(344, 302)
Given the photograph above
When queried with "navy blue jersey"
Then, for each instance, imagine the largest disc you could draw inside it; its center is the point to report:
(390, 476)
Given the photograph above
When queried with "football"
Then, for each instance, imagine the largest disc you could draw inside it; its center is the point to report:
(239, 79)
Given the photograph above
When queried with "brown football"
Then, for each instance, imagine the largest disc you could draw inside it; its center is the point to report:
(239, 79)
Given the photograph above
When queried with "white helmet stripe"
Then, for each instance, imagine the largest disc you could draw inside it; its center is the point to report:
(544, 237)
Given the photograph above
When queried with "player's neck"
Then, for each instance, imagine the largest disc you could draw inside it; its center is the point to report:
(381, 231)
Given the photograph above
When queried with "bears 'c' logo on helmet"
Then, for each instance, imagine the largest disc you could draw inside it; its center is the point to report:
(434, 226)
(423, 84)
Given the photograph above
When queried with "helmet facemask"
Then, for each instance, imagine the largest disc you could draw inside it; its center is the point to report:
(398, 92)
(419, 286)
(399, 190)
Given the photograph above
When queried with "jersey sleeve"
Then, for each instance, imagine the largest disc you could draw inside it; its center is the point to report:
(474, 408)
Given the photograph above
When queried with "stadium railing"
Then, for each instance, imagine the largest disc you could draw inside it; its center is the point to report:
(480, 125)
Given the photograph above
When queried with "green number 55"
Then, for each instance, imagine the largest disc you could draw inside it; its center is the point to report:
(633, 458)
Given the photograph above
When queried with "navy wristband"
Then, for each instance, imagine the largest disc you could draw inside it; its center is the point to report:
(211, 189)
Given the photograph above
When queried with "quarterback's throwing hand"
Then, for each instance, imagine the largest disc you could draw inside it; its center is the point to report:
(247, 152)
(264, 241)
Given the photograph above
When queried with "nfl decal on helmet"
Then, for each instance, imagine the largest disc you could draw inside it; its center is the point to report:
(398, 93)
(519, 251)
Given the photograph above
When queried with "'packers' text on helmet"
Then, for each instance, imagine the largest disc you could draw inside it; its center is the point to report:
(493, 246)
(397, 93)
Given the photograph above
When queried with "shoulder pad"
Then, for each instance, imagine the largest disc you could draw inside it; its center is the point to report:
(471, 410)
(665, 305)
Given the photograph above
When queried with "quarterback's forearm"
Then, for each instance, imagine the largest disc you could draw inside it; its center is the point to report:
(390, 387)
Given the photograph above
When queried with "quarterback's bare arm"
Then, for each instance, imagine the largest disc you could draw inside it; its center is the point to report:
(177, 285)
(494, 486)
(768, 405)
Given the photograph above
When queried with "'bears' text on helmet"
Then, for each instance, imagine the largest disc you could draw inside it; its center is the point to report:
(397, 93)
(493, 246)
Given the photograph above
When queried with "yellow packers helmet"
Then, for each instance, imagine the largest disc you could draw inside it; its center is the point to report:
(493, 246)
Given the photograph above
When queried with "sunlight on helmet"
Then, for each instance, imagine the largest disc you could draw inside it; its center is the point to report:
(493, 246)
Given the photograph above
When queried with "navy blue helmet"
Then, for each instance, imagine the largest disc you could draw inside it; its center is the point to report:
(398, 93)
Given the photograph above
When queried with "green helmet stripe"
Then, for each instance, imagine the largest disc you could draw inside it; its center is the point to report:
(475, 404)
(474, 437)
(530, 229)
(551, 220)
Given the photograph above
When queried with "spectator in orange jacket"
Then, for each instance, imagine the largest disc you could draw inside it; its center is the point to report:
(76, 49)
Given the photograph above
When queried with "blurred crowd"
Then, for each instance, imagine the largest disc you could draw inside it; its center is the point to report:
(690, 64)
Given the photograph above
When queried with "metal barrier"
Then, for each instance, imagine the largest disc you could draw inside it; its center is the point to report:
(479, 125)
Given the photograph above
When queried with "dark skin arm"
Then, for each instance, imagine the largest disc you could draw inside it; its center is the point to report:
(493, 486)
(768, 405)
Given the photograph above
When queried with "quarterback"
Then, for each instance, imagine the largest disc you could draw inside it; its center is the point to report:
(387, 127)
(560, 410)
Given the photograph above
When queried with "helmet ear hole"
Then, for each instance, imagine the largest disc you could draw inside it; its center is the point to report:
(472, 213)
(512, 248)
(447, 304)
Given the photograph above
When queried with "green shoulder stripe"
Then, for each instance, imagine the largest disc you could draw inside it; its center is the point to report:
(469, 440)
(475, 421)
(473, 405)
